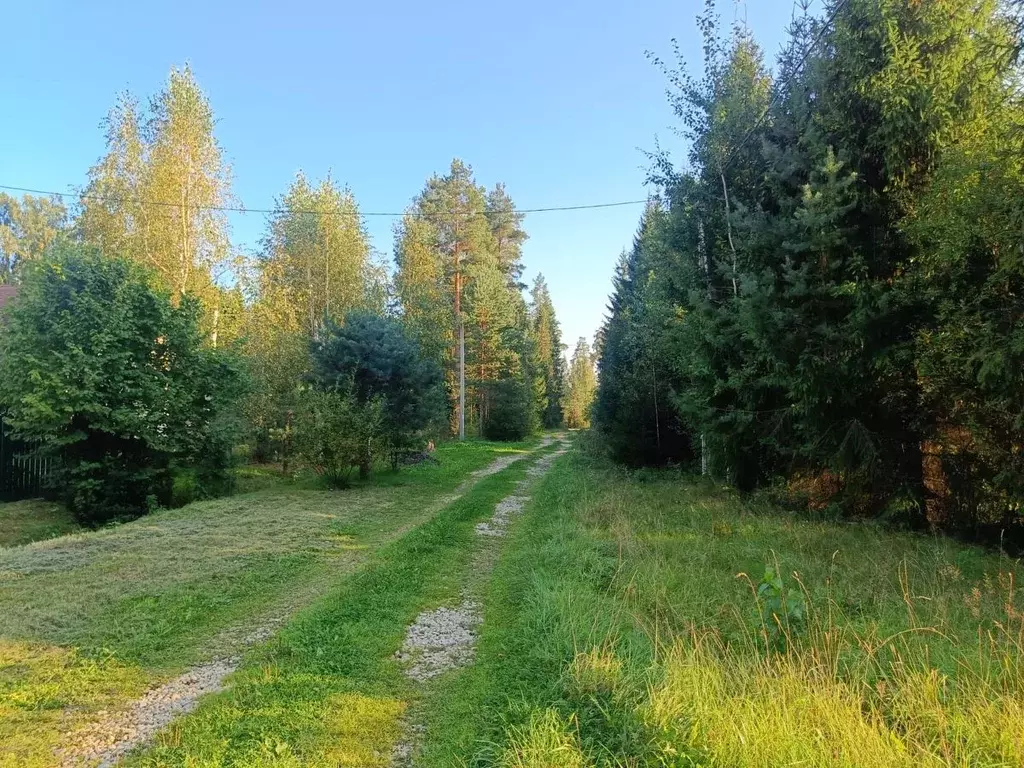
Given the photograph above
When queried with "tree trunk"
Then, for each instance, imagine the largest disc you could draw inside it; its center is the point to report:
(462, 379)
(657, 415)
(728, 229)
(286, 443)
(365, 462)
(462, 346)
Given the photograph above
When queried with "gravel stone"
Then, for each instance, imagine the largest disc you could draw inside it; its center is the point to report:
(498, 524)
(445, 639)
(440, 640)
(104, 743)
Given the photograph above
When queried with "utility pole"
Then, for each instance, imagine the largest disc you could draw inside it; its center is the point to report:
(462, 344)
(702, 255)
(462, 379)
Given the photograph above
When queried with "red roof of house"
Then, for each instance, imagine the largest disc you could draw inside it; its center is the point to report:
(7, 292)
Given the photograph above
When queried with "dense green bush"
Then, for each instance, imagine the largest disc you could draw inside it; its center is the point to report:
(372, 360)
(336, 433)
(510, 411)
(116, 382)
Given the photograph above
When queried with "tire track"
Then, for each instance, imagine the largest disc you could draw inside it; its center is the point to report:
(105, 741)
(444, 639)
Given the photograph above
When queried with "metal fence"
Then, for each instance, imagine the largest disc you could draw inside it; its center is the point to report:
(22, 472)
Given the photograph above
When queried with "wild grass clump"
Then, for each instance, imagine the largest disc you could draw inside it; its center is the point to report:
(838, 697)
(546, 741)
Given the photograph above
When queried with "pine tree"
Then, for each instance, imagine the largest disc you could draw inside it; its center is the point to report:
(508, 233)
(457, 253)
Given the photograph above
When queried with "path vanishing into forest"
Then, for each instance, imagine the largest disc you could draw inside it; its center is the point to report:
(167, 609)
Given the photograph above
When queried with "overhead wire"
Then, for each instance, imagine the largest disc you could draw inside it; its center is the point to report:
(320, 212)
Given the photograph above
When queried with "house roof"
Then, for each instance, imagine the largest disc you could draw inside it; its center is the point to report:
(7, 292)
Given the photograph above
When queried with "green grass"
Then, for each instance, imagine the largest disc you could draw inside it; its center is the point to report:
(629, 621)
(98, 615)
(22, 522)
(623, 627)
(328, 690)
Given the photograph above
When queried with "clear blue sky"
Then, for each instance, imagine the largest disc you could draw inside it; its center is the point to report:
(554, 98)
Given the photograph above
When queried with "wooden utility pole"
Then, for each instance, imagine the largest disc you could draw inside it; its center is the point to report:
(462, 344)
(462, 379)
(706, 266)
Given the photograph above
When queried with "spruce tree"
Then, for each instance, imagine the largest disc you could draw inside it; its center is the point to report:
(548, 338)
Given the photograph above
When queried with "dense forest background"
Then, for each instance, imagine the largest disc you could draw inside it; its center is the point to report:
(826, 297)
(311, 347)
(822, 300)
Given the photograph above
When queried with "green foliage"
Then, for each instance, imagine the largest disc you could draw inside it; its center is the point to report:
(827, 290)
(511, 412)
(638, 345)
(27, 228)
(167, 151)
(549, 368)
(781, 611)
(581, 385)
(314, 266)
(374, 359)
(337, 433)
(458, 257)
(107, 375)
(316, 254)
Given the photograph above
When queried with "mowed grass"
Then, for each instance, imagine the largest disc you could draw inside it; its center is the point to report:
(22, 522)
(625, 626)
(90, 619)
(328, 691)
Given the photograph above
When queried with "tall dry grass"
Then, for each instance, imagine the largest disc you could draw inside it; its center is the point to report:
(867, 648)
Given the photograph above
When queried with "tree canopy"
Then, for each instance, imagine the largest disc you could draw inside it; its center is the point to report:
(824, 292)
(580, 387)
(99, 368)
(458, 266)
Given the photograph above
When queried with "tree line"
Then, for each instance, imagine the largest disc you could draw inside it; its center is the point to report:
(826, 298)
(145, 347)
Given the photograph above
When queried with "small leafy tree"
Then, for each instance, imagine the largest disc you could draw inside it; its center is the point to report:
(336, 433)
(372, 359)
(511, 412)
(106, 374)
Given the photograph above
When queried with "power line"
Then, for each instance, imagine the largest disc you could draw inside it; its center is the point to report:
(240, 209)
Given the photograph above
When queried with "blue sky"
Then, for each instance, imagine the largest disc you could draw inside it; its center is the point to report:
(556, 99)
